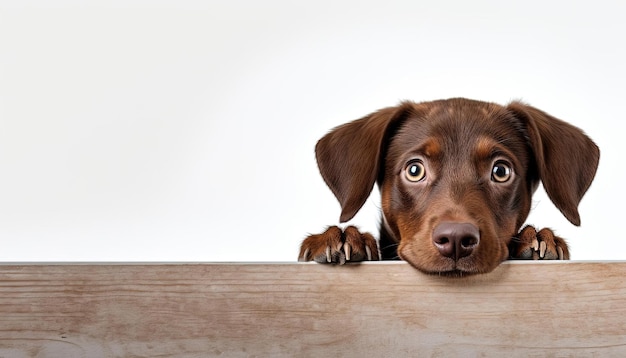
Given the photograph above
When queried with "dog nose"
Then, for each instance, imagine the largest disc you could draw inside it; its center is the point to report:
(456, 240)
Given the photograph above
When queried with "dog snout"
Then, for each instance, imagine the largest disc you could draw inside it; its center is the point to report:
(456, 240)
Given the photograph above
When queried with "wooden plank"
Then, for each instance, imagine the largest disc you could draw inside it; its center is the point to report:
(301, 309)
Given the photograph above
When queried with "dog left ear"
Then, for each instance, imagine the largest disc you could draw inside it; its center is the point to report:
(566, 158)
(349, 156)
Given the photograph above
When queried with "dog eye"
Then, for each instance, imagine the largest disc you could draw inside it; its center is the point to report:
(501, 172)
(415, 171)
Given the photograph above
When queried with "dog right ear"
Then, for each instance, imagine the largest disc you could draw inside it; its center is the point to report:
(349, 157)
(566, 158)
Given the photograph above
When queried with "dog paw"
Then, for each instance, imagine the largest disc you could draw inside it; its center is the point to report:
(338, 247)
(531, 244)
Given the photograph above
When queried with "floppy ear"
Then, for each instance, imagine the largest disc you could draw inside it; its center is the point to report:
(566, 158)
(349, 157)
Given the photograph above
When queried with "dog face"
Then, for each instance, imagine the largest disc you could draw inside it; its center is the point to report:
(456, 176)
(461, 169)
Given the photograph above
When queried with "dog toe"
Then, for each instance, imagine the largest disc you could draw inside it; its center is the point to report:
(326, 247)
(531, 244)
(360, 246)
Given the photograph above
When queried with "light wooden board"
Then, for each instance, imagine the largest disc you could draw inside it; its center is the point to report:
(303, 309)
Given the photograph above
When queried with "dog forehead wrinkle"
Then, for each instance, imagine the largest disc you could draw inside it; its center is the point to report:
(434, 132)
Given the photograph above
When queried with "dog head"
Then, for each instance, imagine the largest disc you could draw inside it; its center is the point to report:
(456, 167)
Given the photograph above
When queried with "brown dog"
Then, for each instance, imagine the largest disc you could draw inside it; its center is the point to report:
(456, 179)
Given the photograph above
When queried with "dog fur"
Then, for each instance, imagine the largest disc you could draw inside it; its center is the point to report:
(456, 179)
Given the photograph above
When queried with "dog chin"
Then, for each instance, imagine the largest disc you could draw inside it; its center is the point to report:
(450, 268)
(454, 272)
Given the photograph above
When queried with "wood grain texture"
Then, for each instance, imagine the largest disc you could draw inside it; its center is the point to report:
(303, 309)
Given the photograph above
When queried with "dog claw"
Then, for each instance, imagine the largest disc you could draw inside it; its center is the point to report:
(304, 255)
(369, 253)
(346, 250)
(328, 257)
(535, 244)
(542, 249)
(560, 251)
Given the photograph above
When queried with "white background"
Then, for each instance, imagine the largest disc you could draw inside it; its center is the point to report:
(184, 131)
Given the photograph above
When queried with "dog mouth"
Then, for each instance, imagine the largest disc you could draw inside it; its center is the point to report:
(452, 270)
(446, 267)
(454, 273)
(459, 272)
